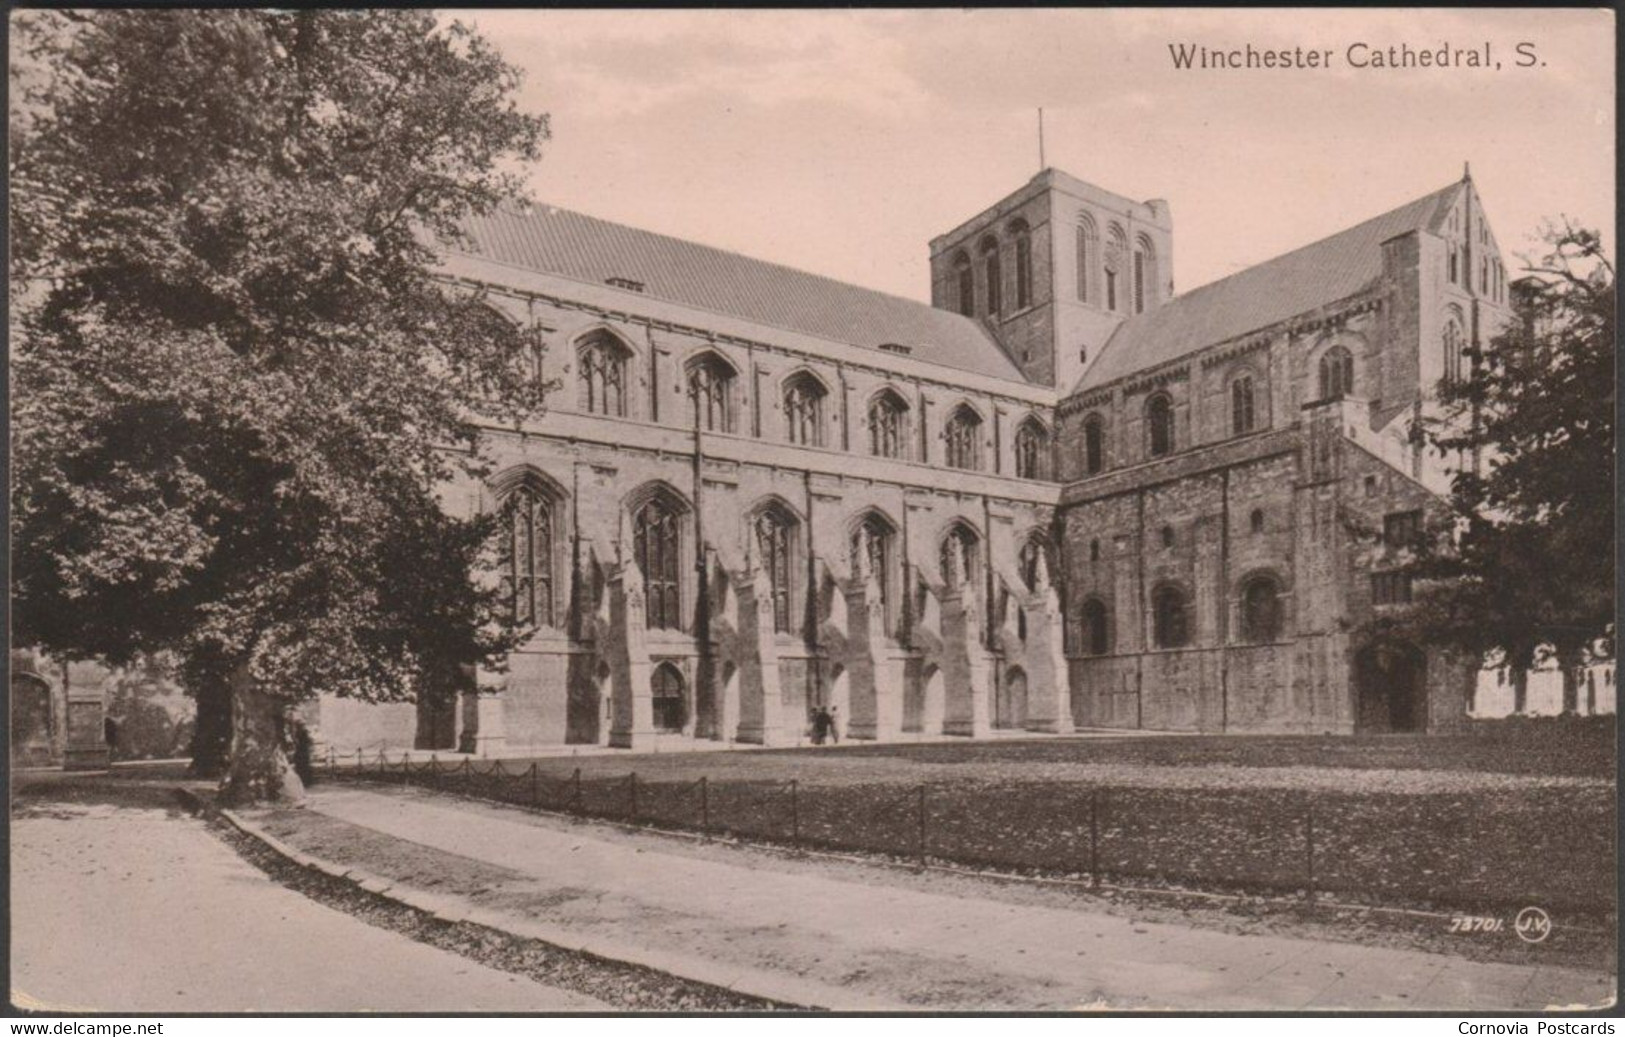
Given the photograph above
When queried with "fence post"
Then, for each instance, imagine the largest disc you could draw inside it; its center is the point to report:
(535, 798)
(795, 814)
(921, 841)
(1309, 850)
(575, 792)
(632, 788)
(1094, 838)
(705, 807)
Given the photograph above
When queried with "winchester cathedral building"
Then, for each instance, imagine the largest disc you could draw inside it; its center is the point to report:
(1059, 497)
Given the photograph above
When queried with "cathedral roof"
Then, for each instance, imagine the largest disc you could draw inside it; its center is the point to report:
(1305, 279)
(568, 244)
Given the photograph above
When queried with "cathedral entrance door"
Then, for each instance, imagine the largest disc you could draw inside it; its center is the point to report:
(1390, 685)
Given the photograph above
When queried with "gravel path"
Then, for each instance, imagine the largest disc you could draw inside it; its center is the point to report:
(121, 903)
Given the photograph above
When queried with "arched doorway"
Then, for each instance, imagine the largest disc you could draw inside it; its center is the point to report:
(667, 690)
(1390, 681)
(1012, 701)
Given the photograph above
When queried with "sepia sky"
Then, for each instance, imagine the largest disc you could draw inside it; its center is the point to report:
(841, 142)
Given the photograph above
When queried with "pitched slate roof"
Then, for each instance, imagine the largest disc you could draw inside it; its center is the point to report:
(1324, 272)
(568, 244)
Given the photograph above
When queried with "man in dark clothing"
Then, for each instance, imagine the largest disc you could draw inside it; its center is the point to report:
(820, 725)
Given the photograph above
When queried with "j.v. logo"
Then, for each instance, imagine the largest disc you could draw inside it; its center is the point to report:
(1532, 925)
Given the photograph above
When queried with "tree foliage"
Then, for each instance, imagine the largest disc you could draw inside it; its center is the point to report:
(1529, 567)
(237, 386)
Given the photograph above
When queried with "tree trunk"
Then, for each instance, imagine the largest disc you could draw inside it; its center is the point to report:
(260, 771)
(211, 737)
(1520, 690)
(1591, 692)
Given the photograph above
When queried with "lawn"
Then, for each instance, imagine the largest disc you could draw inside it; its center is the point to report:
(1495, 819)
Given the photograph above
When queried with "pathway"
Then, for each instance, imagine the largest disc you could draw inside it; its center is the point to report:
(120, 903)
(843, 942)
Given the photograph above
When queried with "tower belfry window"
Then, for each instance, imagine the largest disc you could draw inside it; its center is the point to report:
(992, 274)
(1113, 265)
(1024, 265)
(1088, 256)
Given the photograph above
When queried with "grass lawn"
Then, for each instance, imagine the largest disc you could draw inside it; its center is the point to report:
(1502, 817)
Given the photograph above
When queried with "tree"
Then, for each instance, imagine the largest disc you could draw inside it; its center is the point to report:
(238, 387)
(1526, 565)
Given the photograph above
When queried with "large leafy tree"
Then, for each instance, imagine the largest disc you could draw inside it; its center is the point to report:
(237, 385)
(1528, 570)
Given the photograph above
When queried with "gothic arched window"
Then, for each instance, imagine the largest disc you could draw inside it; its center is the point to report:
(1261, 609)
(804, 410)
(1336, 373)
(992, 276)
(1032, 450)
(1094, 444)
(528, 573)
(958, 549)
(1452, 351)
(601, 375)
(1241, 404)
(964, 284)
(1097, 628)
(775, 547)
(964, 440)
(1159, 420)
(1088, 256)
(886, 425)
(657, 527)
(1024, 264)
(1170, 626)
(710, 388)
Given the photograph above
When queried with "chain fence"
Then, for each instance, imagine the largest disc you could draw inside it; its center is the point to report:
(1450, 852)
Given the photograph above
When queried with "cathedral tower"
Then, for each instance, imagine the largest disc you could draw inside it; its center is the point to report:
(1053, 268)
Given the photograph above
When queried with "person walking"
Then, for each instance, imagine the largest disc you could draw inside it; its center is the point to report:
(835, 725)
(820, 725)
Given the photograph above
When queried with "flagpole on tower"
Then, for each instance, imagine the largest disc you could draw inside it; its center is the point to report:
(1041, 166)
